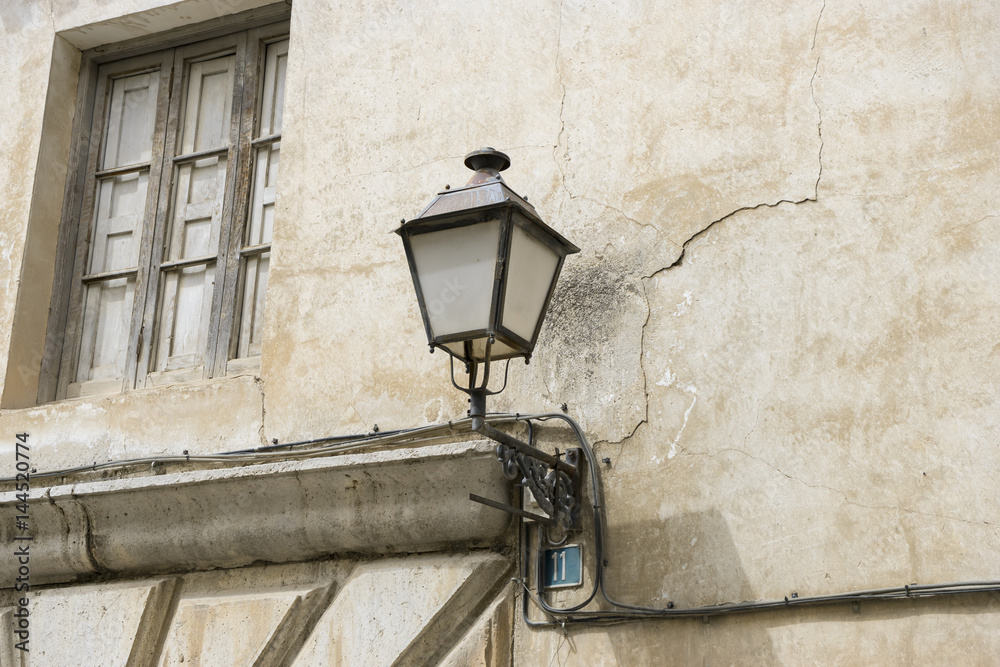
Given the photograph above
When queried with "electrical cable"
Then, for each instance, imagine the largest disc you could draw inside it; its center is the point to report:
(281, 451)
(332, 438)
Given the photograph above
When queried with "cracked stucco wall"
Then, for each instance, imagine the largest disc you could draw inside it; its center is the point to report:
(782, 329)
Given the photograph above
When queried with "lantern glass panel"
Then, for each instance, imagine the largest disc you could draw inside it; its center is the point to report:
(458, 349)
(456, 268)
(531, 269)
(499, 350)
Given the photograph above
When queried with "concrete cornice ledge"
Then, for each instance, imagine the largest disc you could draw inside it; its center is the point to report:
(394, 501)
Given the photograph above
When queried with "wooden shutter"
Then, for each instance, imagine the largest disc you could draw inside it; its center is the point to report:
(256, 251)
(118, 209)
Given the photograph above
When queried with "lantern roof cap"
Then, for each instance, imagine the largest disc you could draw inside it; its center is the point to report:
(484, 192)
(486, 188)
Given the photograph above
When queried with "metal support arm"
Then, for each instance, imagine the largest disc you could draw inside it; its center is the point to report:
(553, 481)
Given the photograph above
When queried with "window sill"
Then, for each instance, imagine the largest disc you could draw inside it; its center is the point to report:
(100, 388)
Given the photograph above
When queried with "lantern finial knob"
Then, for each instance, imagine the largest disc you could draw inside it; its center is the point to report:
(487, 158)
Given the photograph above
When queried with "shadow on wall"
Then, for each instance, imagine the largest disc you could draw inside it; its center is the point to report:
(691, 560)
(688, 559)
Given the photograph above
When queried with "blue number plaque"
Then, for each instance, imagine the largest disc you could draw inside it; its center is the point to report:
(564, 566)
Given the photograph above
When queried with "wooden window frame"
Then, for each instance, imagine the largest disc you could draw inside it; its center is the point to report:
(170, 55)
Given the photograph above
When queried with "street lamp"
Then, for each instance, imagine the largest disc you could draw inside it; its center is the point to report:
(484, 266)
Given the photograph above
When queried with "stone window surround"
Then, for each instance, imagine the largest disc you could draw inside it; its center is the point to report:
(31, 376)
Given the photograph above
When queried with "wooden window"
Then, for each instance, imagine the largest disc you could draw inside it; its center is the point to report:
(175, 215)
(256, 251)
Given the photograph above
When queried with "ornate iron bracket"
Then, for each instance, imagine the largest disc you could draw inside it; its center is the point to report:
(555, 491)
(553, 480)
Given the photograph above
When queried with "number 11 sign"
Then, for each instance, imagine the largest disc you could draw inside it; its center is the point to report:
(563, 567)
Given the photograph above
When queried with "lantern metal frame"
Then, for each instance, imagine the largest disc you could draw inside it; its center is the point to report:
(554, 480)
(486, 198)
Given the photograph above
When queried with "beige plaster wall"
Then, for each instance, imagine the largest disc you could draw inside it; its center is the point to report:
(25, 54)
(782, 329)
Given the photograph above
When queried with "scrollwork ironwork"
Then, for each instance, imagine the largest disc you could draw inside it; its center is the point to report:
(553, 489)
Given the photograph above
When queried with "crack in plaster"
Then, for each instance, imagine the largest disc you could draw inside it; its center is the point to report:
(88, 535)
(645, 382)
(816, 30)
(559, 163)
(105, 608)
(687, 413)
(819, 160)
(674, 448)
(563, 179)
(62, 512)
(263, 411)
(704, 230)
(613, 208)
(819, 111)
(382, 172)
(684, 246)
(843, 494)
(819, 130)
(354, 408)
(562, 108)
(760, 404)
(555, 147)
